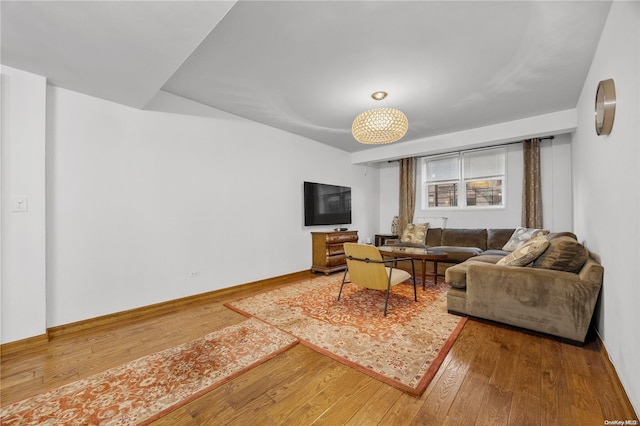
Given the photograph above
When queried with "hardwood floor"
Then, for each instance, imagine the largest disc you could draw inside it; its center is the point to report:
(492, 375)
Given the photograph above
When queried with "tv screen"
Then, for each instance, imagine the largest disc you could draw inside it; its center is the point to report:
(326, 204)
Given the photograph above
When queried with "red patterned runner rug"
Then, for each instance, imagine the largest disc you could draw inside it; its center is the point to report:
(403, 349)
(148, 388)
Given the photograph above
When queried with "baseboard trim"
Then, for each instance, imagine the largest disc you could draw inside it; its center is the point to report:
(146, 311)
(620, 389)
(20, 345)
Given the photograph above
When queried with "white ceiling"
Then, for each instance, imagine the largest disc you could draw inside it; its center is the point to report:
(309, 67)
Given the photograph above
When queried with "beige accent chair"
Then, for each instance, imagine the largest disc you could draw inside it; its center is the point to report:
(366, 268)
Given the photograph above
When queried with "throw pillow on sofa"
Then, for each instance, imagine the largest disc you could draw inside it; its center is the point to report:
(526, 254)
(564, 254)
(521, 236)
(414, 233)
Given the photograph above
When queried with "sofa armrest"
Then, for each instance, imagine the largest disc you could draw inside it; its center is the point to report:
(591, 271)
(549, 301)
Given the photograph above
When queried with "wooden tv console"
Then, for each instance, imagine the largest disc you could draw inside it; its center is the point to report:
(328, 250)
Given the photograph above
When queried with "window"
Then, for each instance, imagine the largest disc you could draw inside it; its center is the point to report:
(484, 176)
(468, 179)
(443, 177)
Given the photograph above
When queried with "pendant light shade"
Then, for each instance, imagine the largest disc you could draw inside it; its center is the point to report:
(379, 126)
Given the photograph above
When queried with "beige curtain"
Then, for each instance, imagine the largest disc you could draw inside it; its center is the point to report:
(531, 191)
(407, 193)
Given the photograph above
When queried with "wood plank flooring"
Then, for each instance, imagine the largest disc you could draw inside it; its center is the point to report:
(492, 375)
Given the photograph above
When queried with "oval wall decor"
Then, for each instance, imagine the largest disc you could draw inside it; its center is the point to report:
(605, 108)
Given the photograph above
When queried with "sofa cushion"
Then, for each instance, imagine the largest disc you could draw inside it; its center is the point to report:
(464, 238)
(414, 233)
(563, 254)
(487, 258)
(521, 236)
(458, 254)
(501, 253)
(526, 254)
(497, 238)
(456, 276)
(434, 237)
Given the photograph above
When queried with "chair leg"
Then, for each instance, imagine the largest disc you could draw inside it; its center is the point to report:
(386, 302)
(415, 291)
(344, 277)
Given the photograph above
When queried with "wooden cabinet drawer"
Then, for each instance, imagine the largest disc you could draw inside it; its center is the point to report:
(334, 249)
(338, 259)
(342, 237)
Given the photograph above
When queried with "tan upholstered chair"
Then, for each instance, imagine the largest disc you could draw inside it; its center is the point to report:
(366, 268)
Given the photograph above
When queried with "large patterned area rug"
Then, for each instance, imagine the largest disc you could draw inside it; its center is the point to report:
(145, 389)
(403, 349)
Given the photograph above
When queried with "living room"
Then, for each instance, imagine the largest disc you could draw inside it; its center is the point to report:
(129, 207)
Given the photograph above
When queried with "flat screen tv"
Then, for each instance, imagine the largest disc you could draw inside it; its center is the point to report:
(326, 204)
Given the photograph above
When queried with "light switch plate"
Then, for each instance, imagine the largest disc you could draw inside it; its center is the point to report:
(19, 203)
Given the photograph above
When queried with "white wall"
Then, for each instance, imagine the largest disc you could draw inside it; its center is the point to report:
(23, 285)
(556, 193)
(605, 187)
(138, 200)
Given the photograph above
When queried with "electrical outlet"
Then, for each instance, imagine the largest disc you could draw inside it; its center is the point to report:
(194, 274)
(19, 203)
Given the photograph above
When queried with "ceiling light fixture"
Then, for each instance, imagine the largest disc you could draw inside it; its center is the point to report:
(378, 96)
(380, 125)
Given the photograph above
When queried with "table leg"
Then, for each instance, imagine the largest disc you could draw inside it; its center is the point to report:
(424, 274)
(434, 274)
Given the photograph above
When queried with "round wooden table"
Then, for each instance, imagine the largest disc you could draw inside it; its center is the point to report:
(422, 254)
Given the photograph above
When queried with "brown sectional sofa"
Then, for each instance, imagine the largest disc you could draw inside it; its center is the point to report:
(540, 296)
(460, 244)
(556, 294)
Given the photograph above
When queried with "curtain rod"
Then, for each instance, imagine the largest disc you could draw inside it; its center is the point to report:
(475, 149)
